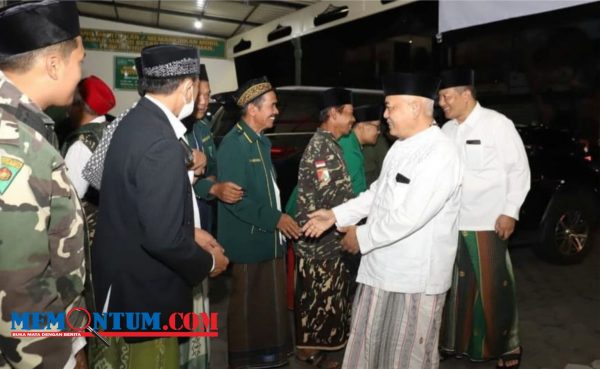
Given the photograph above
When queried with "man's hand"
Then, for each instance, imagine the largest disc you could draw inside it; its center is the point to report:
(288, 226)
(221, 262)
(210, 245)
(505, 226)
(320, 221)
(206, 240)
(350, 241)
(227, 192)
(199, 164)
(80, 360)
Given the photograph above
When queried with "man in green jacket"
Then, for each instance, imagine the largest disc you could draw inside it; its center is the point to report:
(200, 137)
(365, 132)
(251, 231)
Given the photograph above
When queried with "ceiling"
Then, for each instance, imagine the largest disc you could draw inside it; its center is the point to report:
(219, 18)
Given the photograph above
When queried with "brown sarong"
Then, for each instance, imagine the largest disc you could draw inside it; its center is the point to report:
(258, 327)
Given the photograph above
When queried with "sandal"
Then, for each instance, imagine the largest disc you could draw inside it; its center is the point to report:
(313, 359)
(511, 356)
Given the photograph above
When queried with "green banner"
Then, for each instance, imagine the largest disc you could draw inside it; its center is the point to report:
(125, 74)
(134, 42)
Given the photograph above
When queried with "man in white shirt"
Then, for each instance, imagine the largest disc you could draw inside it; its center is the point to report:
(408, 244)
(481, 314)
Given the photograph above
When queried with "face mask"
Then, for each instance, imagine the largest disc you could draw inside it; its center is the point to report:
(187, 109)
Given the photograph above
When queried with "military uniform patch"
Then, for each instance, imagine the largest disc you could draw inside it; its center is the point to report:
(9, 167)
(323, 175)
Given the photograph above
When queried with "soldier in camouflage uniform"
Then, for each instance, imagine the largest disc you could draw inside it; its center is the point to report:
(323, 280)
(93, 99)
(42, 261)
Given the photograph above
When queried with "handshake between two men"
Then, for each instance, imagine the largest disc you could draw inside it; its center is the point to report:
(319, 222)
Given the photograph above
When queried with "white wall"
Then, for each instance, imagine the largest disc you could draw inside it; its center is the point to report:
(221, 72)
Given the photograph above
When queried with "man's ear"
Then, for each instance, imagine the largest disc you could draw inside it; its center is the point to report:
(187, 85)
(52, 63)
(359, 128)
(251, 109)
(467, 93)
(415, 107)
(333, 113)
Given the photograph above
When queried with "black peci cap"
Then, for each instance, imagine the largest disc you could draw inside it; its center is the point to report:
(414, 84)
(336, 96)
(170, 61)
(367, 113)
(34, 25)
(457, 77)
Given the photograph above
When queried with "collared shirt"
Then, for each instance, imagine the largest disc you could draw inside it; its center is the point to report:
(355, 161)
(41, 122)
(76, 158)
(497, 176)
(179, 130)
(409, 242)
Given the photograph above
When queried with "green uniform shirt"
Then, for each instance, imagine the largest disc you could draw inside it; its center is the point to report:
(374, 155)
(201, 138)
(355, 162)
(247, 229)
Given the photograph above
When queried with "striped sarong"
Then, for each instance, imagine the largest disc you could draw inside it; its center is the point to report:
(480, 318)
(394, 330)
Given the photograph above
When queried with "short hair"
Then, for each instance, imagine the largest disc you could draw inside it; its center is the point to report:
(426, 104)
(324, 113)
(469, 88)
(164, 86)
(140, 86)
(257, 102)
(23, 62)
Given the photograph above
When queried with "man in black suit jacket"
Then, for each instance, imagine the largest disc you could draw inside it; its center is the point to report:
(148, 255)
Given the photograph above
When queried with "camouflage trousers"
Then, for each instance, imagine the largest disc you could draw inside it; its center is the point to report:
(323, 304)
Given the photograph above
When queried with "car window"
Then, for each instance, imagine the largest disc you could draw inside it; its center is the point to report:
(298, 112)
